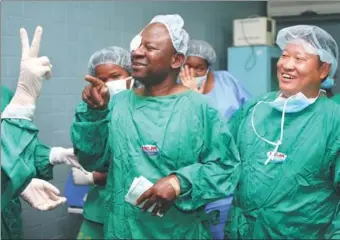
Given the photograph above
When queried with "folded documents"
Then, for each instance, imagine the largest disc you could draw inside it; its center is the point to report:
(137, 188)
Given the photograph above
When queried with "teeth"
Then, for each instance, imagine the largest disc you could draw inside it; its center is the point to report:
(287, 76)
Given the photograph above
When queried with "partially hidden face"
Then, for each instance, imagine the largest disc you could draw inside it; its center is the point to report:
(198, 64)
(300, 71)
(108, 72)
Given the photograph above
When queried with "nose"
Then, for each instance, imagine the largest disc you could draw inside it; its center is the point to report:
(288, 64)
(139, 52)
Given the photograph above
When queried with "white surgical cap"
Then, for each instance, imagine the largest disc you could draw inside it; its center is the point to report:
(315, 41)
(115, 55)
(174, 23)
(202, 49)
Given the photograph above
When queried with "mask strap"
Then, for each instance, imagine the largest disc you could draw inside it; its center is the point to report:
(206, 74)
(132, 82)
(279, 142)
(253, 125)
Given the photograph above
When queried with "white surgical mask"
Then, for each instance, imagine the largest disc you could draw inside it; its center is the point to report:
(201, 79)
(294, 103)
(117, 86)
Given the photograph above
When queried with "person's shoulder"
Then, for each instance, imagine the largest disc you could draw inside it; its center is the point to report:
(6, 90)
(266, 97)
(123, 94)
(336, 98)
(198, 99)
(332, 107)
(330, 112)
(222, 72)
(329, 102)
(120, 98)
(223, 75)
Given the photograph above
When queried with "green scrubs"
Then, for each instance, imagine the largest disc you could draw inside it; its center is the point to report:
(296, 196)
(94, 214)
(154, 137)
(23, 158)
(336, 98)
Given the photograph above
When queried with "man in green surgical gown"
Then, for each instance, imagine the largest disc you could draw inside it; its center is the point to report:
(164, 132)
(289, 144)
(336, 98)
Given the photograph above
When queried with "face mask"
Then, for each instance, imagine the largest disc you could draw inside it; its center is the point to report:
(117, 86)
(328, 83)
(201, 79)
(294, 103)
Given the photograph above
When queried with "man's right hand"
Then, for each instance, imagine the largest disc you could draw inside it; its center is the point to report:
(96, 95)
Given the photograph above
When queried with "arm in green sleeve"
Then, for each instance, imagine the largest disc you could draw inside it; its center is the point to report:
(240, 115)
(216, 174)
(89, 135)
(6, 96)
(18, 142)
(234, 122)
(335, 226)
(42, 163)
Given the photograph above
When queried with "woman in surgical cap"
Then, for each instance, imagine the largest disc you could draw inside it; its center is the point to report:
(221, 87)
(289, 144)
(112, 65)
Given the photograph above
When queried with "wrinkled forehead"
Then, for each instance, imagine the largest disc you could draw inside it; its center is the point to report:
(156, 32)
(302, 46)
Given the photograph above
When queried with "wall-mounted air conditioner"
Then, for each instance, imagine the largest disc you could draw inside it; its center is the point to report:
(285, 8)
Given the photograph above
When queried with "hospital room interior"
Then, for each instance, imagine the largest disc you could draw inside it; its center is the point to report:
(242, 42)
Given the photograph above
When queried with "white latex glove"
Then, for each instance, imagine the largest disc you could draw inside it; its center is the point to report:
(33, 70)
(82, 177)
(42, 195)
(60, 155)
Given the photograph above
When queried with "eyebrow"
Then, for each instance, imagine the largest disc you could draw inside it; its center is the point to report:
(102, 77)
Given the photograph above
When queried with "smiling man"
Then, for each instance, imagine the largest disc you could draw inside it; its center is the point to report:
(164, 132)
(289, 143)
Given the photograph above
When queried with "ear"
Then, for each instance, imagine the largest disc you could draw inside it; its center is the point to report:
(177, 60)
(324, 70)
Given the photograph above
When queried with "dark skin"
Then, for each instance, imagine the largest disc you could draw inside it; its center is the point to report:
(104, 73)
(162, 193)
(156, 64)
(329, 93)
(110, 72)
(107, 72)
(196, 67)
(99, 178)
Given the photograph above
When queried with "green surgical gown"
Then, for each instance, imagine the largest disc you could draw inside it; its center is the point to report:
(94, 214)
(336, 98)
(153, 137)
(297, 198)
(23, 158)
